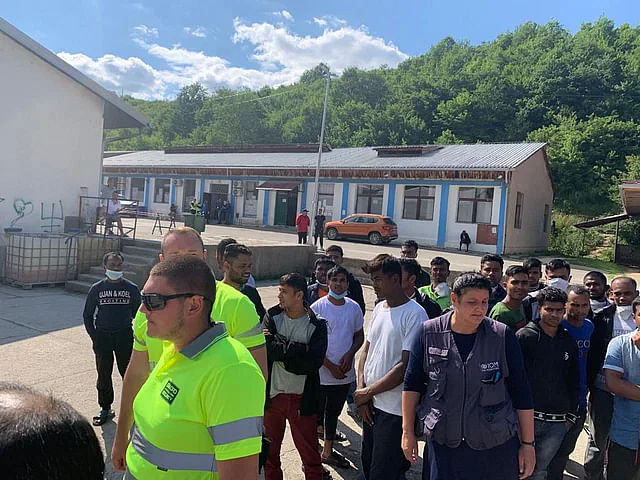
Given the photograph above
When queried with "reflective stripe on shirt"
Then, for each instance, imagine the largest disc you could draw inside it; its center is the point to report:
(257, 330)
(170, 460)
(237, 430)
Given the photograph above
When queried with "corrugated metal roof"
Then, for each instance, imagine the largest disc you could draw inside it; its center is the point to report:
(502, 156)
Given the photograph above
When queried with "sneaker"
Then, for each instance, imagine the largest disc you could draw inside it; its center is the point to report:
(103, 417)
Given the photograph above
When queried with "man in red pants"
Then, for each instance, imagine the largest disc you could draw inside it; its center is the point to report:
(296, 346)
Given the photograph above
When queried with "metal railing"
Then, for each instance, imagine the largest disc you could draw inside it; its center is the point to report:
(93, 218)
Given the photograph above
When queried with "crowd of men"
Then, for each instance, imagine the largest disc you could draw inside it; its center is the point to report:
(498, 370)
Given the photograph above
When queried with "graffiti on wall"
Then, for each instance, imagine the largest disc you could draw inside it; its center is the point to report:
(55, 219)
(51, 215)
(22, 208)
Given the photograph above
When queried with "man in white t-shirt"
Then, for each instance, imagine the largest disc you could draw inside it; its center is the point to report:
(394, 323)
(112, 212)
(345, 337)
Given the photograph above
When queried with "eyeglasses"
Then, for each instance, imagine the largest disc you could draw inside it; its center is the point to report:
(155, 301)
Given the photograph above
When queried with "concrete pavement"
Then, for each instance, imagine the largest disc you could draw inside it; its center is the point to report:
(43, 344)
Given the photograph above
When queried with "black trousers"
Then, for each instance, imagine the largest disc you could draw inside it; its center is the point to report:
(332, 398)
(382, 457)
(622, 463)
(105, 345)
(555, 470)
(302, 237)
(316, 237)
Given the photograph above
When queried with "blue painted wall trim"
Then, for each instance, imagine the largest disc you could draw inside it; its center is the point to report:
(303, 200)
(173, 193)
(345, 200)
(265, 208)
(442, 217)
(391, 201)
(147, 187)
(501, 219)
(201, 189)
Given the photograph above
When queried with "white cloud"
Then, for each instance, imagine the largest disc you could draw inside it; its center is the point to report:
(283, 14)
(329, 21)
(142, 31)
(129, 75)
(198, 31)
(282, 55)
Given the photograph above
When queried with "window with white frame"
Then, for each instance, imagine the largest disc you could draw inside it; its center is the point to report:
(137, 189)
(369, 199)
(161, 187)
(325, 199)
(419, 201)
(250, 209)
(474, 205)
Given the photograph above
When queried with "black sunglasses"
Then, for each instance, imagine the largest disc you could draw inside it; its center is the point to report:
(155, 301)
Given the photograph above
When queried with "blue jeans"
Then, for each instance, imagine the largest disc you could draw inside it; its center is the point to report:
(549, 436)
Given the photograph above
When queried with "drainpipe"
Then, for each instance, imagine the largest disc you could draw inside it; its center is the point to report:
(507, 174)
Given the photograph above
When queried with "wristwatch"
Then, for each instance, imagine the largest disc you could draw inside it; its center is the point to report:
(531, 444)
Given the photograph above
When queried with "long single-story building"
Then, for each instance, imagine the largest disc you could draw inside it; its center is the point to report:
(501, 194)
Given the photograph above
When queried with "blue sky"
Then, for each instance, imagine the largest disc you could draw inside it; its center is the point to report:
(149, 49)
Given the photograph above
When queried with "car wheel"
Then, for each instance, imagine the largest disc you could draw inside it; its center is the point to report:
(375, 238)
(332, 234)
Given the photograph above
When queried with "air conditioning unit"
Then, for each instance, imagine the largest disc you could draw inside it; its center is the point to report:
(177, 182)
(237, 184)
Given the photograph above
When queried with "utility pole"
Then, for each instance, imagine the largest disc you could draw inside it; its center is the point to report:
(314, 204)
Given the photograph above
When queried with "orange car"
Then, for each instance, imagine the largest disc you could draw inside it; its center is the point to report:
(377, 228)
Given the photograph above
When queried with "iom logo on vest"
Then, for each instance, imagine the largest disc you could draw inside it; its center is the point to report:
(170, 392)
(490, 366)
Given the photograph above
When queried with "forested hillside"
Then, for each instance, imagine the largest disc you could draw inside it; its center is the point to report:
(580, 93)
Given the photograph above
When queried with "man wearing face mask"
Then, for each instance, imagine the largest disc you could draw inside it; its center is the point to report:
(320, 288)
(344, 338)
(557, 274)
(608, 324)
(116, 301)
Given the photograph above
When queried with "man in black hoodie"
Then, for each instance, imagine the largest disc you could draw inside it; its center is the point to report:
(296, 347)
(551, 361)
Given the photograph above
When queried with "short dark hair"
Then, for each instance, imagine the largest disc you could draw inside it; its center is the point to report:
(578, 290)
(410, 244)
(338, 270)
(335, 248)
(513, 270)
(411, 266)
(182, 230)
(388, 264)
(557, 264)
(635, 303)
(109, 255)
(551, 294)
(628, 279)
(532, 262)
(43, 437)
(324, 259)
(188, 274)
(234, 250)
(222, 246)
(440, 261)
(471, 280)
(295, 281)
(596, 274)
(492, 258)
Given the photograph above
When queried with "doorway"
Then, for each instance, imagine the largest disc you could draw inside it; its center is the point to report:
(219, 192)
(286, 208)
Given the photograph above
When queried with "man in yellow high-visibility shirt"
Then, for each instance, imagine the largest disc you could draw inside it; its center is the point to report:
(230, 307)
(199, 414)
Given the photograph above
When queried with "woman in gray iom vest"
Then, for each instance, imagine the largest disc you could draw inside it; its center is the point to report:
(466, 385)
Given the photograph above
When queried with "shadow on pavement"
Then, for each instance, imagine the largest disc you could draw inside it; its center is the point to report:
(30, 313)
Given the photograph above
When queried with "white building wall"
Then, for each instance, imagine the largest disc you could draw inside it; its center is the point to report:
(337, 202)
(454, 229)
(425, 232)
(51, 137)
(272, 207)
